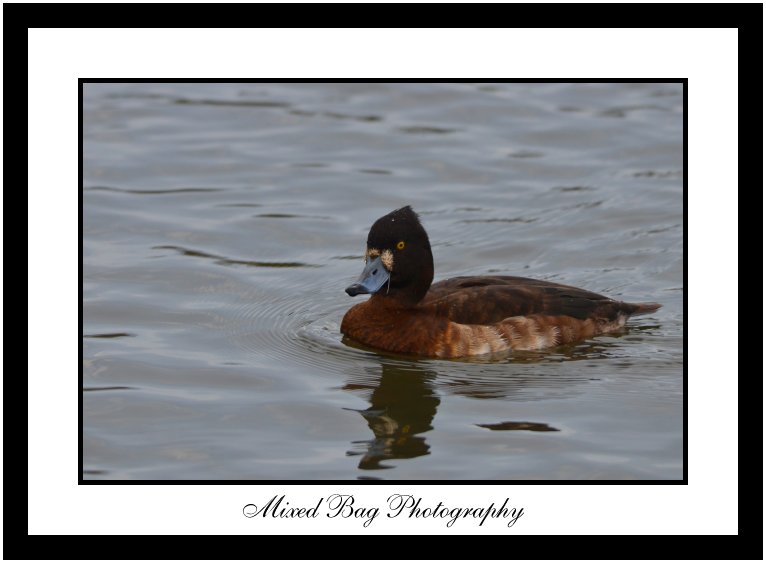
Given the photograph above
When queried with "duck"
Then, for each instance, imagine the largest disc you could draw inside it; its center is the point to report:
(408, 314)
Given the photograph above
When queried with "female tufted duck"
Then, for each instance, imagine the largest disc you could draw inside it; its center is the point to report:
(467, 315)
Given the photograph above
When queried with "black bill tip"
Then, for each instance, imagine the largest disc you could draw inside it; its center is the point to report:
(356, 289)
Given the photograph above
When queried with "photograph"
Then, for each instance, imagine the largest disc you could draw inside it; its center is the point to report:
(407, 281)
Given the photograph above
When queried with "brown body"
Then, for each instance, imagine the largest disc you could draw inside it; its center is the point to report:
(464, 316)
(468, 316)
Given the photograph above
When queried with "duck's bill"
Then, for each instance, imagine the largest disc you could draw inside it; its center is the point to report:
(374, 276)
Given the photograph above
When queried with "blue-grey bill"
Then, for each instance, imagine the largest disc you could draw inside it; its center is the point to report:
(374, 276)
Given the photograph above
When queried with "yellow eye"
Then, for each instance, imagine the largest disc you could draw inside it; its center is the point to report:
(400, 245)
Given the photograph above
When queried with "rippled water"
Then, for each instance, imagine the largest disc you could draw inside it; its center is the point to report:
(222, 221)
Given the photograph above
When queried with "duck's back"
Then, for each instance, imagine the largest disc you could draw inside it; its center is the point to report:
(494, 313)
(491, 299)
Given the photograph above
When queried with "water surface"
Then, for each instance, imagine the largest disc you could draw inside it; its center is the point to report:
(222, 221)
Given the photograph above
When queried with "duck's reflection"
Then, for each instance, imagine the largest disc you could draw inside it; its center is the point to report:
(402, 407)
(404, 394)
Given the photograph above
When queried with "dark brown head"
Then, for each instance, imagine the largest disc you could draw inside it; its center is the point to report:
(398, 260)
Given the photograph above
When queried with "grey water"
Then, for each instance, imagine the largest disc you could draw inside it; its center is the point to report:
(221, 223)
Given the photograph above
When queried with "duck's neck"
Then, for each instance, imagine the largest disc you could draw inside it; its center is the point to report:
(419, 287)
(411, 294)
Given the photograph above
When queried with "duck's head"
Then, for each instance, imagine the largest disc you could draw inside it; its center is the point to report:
(398, 259)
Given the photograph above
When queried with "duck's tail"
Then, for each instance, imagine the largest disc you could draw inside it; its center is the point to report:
(633, 309)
